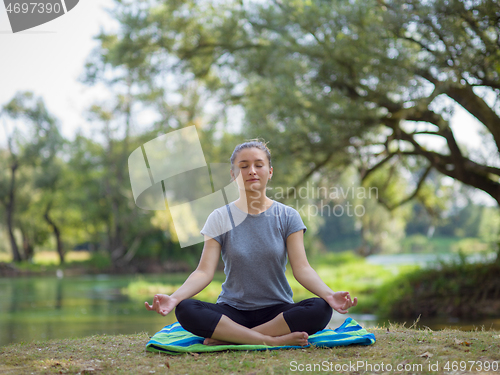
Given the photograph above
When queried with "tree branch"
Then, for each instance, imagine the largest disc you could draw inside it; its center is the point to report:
(465, 96)
(365, 174)
(468, 172)
(412, 195)
(428, 133)
(309, 174)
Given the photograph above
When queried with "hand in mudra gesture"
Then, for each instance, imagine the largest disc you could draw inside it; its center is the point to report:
(162, 304)
(341, 301)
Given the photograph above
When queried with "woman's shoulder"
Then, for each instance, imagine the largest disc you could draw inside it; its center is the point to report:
(284, 209)
(218, 222)
(219, 212)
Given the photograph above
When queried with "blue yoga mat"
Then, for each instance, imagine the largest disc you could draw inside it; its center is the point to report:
(173, 339)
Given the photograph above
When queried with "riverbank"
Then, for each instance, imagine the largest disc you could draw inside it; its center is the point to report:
(398, 349)
(80, 263)
(457, 290)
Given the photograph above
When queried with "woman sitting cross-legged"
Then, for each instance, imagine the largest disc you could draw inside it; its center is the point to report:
(255, 235)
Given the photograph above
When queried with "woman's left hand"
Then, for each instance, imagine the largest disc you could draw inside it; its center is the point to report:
(341, 301)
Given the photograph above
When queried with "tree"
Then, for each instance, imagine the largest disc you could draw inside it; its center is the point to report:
(455, 53)
(315, 76)
(32, 145)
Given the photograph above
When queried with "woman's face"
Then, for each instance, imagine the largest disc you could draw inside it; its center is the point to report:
(251, 169)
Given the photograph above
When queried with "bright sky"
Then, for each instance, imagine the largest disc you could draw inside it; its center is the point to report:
(48, 59)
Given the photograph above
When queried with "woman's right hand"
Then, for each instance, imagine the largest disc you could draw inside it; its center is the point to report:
(162, 304)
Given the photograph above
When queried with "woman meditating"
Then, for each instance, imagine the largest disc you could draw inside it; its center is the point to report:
(255, 234)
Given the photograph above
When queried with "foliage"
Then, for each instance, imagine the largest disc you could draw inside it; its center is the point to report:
(141, 290)
(335, 87)
(469, 246)
(456, 289)
(99, 261)
(330, 83)
(29, 187)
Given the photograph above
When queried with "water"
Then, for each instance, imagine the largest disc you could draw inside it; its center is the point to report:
(48, 308)
(38, 309)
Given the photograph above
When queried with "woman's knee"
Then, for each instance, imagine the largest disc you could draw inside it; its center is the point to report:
(185, 310)
(197, 317)
(322, 312)
(311, 315)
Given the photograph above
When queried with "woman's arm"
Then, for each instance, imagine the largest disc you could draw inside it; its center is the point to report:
(309, 279)
(195, 283)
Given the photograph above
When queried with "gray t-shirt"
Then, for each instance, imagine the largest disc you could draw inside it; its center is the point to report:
(254, 253)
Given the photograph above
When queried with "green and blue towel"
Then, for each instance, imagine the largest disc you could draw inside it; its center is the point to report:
(173, 339)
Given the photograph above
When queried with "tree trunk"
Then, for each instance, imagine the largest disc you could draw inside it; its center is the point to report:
(57, 234)
(16, 255)
(498, 249)
(28, 248)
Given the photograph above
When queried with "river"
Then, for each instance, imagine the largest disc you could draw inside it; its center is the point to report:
(43, 308)
(35, 308)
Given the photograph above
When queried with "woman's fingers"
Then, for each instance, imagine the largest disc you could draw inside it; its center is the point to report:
(155, 306)
(348, 302)
(157, 302)
(150, 307)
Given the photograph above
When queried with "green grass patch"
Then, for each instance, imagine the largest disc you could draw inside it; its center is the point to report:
(405, 349)
(48, 262)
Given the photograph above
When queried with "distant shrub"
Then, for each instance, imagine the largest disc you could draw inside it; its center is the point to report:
(417, 243)
(336, 259)
(453, 290)
(469, 246)
(100, 260)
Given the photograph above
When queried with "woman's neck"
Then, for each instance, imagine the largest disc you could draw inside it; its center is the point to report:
(253, 202)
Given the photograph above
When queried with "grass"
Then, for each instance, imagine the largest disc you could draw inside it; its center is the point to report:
(44, 262)
(407, 349)
(51, 257)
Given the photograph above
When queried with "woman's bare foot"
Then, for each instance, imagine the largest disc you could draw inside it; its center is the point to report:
(209, 341)
(293, 339)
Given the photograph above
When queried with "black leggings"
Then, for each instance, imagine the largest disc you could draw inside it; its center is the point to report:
(201, 318)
